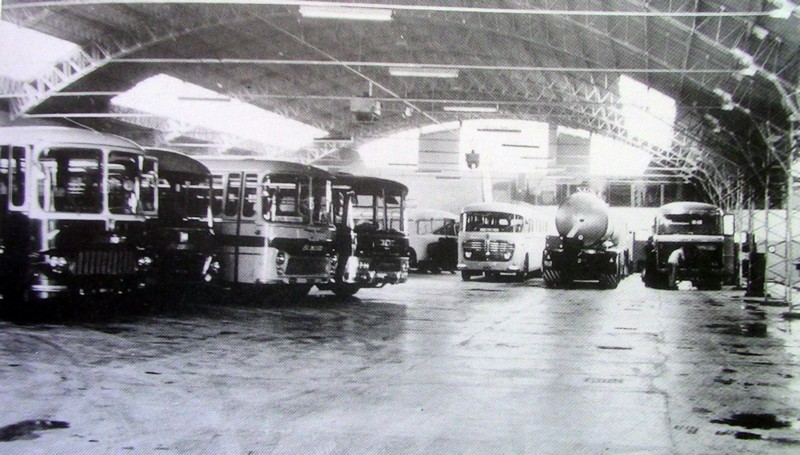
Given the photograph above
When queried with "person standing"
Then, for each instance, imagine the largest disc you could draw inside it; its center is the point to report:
(675, 260)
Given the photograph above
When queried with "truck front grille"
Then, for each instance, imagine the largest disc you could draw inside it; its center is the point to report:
(105, 263)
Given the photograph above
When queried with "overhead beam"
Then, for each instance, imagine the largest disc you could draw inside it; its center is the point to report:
(417, 8)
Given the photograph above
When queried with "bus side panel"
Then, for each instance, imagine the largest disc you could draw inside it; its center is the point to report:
(16, 248)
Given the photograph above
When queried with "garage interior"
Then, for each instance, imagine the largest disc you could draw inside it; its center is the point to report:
(643, 102)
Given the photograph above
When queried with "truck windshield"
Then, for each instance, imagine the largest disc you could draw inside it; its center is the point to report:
(689, 223)
(492, 222)
(70, 180)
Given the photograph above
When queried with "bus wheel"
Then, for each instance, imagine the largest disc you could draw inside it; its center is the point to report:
(466, 275)
(292, 292)
(344, 291)
(520, 276)
(412, 258)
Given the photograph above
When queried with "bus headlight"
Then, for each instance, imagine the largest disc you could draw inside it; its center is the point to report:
(507, 255)
(280, 259)
(468, 254)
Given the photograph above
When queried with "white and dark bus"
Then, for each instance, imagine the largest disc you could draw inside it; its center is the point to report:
(371, 243)
(181, 236)
(273, 223)
(501, 238)
(432, 239)
(73, 205)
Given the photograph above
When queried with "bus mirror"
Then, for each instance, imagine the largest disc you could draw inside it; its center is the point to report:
(728, 226)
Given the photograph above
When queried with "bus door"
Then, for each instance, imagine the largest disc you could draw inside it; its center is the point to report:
(14, 222)
(241, 234)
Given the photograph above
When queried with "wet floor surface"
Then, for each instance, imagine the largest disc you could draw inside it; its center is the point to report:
(435, 365)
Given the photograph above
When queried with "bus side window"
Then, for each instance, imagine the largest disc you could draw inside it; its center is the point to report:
(17, 167)
(217, 197)
(232, 194)
(4, 160)
(250, 195)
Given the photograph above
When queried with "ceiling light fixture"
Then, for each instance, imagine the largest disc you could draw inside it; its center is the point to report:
(470, 108)
(346, 12)
(423, 71)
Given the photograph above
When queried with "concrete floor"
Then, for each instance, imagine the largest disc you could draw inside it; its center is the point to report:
(435, 365)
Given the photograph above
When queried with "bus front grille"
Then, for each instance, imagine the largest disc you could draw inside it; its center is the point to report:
(105, 263)
(474, 245)
(315, 265)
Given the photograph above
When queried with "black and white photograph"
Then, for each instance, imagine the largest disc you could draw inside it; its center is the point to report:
(400, 227)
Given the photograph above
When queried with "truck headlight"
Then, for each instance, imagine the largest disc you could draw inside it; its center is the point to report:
(468, 254)
(280, 258)
(144, 262)
(363, 265)
(507, 255)
(57, 264)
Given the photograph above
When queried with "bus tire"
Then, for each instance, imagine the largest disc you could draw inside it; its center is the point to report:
(344, 291)
(291, 293)
(412, 258)
(521, 276)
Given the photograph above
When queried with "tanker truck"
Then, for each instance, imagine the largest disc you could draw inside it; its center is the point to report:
(587, 246)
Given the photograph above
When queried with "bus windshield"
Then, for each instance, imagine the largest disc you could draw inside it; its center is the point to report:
(373, 212)
(123, 183)
(71, 180)
(185, 197)
(285, 198)
(689, 223)
(492, 222)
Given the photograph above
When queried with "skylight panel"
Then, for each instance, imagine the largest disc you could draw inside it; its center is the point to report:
(28, 54)
(173, 98)
(613, 158)
(648, 113)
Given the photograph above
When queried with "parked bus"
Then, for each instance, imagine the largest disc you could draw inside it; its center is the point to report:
(73, 204)
(181, 236)
(706, 238)
(273, 223)
(370, 240)
(432, 239)
(499, 238)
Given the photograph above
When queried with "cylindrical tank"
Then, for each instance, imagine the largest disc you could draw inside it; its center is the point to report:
(584, 216)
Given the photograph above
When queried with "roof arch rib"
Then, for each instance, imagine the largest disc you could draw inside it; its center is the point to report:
(101, 51)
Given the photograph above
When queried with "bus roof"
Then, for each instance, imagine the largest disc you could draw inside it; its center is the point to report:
(25, 135)
(674, 208)
(516, 207)
(421, 214)
(261, 166)
(172, 161)
(370, 184)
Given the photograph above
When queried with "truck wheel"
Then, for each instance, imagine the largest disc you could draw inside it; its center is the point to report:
(465, 276)
(552, 278)
(609, 281)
